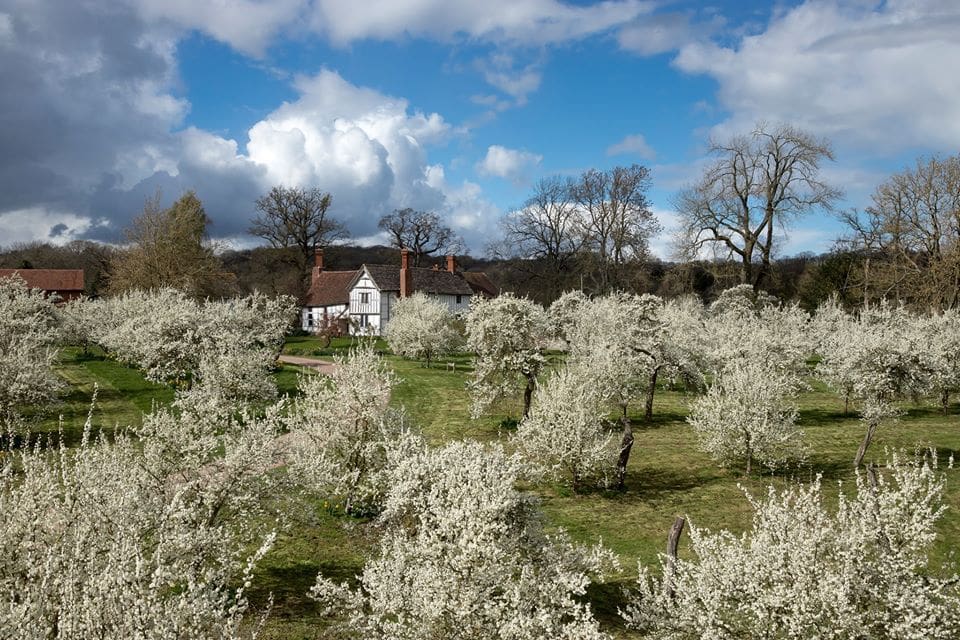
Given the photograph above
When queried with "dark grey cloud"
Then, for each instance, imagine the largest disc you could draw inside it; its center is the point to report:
(85, 91)
(91, 127)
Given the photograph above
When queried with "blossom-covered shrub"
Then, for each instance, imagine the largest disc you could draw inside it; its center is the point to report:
(226, 346)
(343, 428)
(805, 571)
(744, 417)
(874, 358)
(745, 327)
(566, 434)
(422, 328)
(147, 537)
(508, 335)
(464, 555)
(29, 335)
(940, 353)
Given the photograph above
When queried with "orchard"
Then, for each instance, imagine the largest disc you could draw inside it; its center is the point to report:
(163, 475)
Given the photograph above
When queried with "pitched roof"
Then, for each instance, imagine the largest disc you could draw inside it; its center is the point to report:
(481, 283)
(329, 288)
(426, 280)
(49, 279)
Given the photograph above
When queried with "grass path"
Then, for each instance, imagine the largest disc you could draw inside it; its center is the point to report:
(123, 396)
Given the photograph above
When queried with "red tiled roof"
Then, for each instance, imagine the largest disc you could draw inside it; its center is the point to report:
(329, 288)
(49, 279)
(481, 283)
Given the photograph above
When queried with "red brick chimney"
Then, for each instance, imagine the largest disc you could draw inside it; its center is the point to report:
(451, 264)
(317, 266)
(406, 276)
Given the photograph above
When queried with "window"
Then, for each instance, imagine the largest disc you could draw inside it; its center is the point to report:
(364, 298)
(459, 298)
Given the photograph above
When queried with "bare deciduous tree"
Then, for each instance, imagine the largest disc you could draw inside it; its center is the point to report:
(615, 218)
(544, 235)
(546, 226)
(421, 232)
(913, 226)
(758, 181)
(296, 217)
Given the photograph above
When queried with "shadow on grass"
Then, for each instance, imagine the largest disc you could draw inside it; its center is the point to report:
(823, 417)
(606, 598)
(831, 469)
(654, 484)
(660, 419)
(289, 585)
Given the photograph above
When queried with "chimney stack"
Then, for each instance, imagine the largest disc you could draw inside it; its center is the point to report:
(451, 264)
(406, 277)
(317, 266)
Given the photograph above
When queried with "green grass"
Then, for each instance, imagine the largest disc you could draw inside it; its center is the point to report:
(667, 477)
(314, 346)
(123, 396)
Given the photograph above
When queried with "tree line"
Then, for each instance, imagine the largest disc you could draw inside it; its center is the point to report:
(591, 232)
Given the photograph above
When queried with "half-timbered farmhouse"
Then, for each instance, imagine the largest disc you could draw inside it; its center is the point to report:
(361, 302)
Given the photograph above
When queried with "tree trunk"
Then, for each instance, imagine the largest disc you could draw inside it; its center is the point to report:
(945, 401)
(673, 540)
(528, 394)
(626, 444)
(648, 407)
(862, 451)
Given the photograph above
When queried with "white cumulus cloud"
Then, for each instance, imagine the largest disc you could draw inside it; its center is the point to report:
(511, 164)
(871, 74)
(634, 144)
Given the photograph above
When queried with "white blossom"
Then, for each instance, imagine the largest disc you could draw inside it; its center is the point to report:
(804, 571)
(422, 328)
(874, 358)
(133, 538)
(508, 335)
(566, 433)
(744, 417)
(464, 556)
(743, 327)
(226, 346)
(28, 348)
(343, 429)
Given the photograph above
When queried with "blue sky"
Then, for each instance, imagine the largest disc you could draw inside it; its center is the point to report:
(449, 105)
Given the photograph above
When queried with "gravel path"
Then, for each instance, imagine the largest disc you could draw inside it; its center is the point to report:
(322, 366)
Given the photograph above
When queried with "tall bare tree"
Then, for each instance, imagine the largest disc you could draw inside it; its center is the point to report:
(170, 248)
(758, 181)
(421, 232)
(912, 232)
(615, 218)
(544, 235)
(297, 218)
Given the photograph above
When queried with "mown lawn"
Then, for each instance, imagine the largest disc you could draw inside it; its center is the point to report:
(667, 475)
(123, 396)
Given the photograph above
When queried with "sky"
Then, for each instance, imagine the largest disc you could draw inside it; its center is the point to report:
(453, 106)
